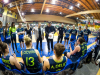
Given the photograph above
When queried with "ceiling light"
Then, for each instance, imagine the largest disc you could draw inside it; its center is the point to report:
(77, 18)
(5, 1)
(71, 7)
(92, 17)
(53, 2)
(22, 13)
(10, 11)
(60, 12)
(96, 0)
(78, 5)
(47, 10)
(29, 1)
(32, 10)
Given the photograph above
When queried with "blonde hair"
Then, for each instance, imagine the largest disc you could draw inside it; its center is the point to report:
(1, 23)
(29, 25)
(6, 26)
(27, 40)
(19, 25)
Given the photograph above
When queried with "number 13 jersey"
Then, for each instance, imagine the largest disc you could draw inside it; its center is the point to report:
(31, 61)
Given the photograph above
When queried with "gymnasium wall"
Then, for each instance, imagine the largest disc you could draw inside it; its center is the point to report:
(43, 17)
(8, 17)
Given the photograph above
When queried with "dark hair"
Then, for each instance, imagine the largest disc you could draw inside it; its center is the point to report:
(59, 48)
(86, 25)
(79, 26)
(3, 46)
(12, 24)
(81, 40)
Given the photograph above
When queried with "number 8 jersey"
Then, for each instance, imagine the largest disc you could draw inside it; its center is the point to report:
(31, 61)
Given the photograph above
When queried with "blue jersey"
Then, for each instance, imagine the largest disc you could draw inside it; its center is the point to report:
(56, 65)
(5, 60)
(1, 34)
(67, 32)
(80, 34)
(73, 34)
(7, 34)
(31, 61)
(20, 30)
(86, 33)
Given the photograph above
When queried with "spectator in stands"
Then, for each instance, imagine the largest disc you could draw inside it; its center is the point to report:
(86, 33)
(8, 37)
(49, 30)
(57, 62)
(73, 34)
(80, 50)
(10, 62)
(61, 33)
(20, 32)
(67, 34)
(1, 32)
(31, 57)
(28, 31)
(97, 48)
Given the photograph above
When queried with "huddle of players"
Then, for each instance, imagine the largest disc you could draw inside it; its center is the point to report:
(85, 33)
(32, 60)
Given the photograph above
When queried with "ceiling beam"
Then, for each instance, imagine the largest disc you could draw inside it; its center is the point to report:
(85, 6)
(43, 6)
(84, 12)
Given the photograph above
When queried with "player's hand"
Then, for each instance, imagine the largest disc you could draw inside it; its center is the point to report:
(69, 45)
(14, 55)
(49, 35)
(44, 58)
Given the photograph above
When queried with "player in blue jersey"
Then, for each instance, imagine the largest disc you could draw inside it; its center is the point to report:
(57, 62)
(10, 62)
(79, 33)
(73, 34)
(67, 34)
(31, 57)
(1, 32)
(8, 37)
(86, 33)
(20, 32)
(79, 51)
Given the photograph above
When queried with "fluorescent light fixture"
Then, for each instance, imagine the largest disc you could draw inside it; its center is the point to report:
(53, 2)
(32, 10)
(71, 7)
(22, 13)
(29, 1)
(78, 5)
(47, 10)
(96, 0)
(5, 1)
(60, 12)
